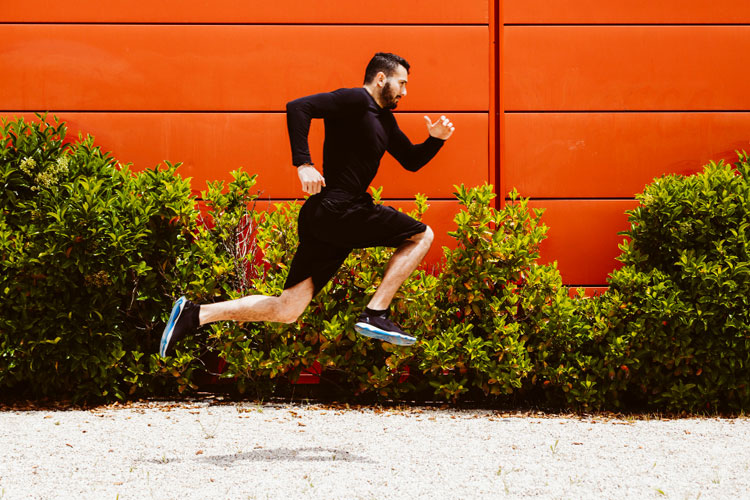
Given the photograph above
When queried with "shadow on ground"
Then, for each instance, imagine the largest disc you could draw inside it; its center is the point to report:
(316, 454)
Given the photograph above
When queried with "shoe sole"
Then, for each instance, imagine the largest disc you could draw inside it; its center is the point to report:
(391, 337)
(169, 329)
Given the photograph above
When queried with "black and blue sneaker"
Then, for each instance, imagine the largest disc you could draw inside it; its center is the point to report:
(377, 325)
(182, 321)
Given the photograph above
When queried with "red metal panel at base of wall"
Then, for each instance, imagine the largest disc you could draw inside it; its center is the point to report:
(583, 237)
(588, 291)
(613, 155)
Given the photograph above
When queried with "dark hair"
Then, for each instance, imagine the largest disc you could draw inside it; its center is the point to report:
(386, 62)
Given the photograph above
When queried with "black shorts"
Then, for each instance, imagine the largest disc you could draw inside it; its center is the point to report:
(331, 224)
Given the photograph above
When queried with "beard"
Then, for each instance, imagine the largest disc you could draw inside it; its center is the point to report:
(389, 96)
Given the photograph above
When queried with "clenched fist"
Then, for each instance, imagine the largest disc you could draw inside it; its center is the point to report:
(312, 181)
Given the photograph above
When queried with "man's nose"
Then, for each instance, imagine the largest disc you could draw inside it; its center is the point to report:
(403, 92)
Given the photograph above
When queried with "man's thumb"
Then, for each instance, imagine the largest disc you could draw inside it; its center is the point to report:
(427, 119)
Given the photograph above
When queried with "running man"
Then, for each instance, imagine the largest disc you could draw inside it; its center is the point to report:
(340, 215)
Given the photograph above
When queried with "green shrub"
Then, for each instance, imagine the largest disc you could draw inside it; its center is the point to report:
(93, 254)
(684, 292)
(84, 244)
(580, 361)
(673, 330)
(259, 355)
(473, 314)
(479, 318)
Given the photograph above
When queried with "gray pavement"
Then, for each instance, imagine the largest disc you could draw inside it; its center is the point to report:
(200, 450)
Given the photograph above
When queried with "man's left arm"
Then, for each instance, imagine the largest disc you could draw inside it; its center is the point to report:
(415, 156)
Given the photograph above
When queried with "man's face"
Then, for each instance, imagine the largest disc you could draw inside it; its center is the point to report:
(394, 88)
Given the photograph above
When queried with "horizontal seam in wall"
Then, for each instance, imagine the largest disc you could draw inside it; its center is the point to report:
(634, 111)
(262, 199)
(622, 24)
(229, 112)
(577, 198)
(568, 285)
(102, 23)
(113, 23)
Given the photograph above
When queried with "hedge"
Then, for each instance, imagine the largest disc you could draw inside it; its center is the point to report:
(93, 254)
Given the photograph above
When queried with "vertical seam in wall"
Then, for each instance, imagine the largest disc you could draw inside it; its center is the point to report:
(496, 161)
(491, 27)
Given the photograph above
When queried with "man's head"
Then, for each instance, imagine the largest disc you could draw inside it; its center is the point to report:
(386, 77)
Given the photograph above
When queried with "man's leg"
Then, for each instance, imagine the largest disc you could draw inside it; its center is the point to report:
(283, 309)
(187, 316)
(403, 262)
(374, 321)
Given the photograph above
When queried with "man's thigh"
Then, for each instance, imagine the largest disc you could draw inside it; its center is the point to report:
(366, 226)
(314, 261)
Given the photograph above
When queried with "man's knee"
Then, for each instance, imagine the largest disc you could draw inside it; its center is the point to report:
(426, 237)
(289, 317)
(290, 312)
(294, 301)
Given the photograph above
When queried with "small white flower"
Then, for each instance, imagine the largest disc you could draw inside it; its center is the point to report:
(27, 165)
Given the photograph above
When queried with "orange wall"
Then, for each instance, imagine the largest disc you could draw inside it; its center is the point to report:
(576, 103)
(601, 97)
(206, 84)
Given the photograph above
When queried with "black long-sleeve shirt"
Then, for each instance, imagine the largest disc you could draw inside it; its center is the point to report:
(357, 134)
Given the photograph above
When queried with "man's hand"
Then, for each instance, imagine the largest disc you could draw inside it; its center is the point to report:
(441, 129)
(312, 181)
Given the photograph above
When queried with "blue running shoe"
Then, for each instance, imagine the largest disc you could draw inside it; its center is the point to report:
(182, 320)
(382, 328)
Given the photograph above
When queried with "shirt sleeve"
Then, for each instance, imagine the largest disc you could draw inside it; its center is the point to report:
(300, 112)
(412, 156)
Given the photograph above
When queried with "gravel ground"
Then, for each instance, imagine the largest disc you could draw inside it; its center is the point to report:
(207, 450)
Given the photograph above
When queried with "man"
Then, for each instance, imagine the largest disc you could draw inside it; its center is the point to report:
(340, 215)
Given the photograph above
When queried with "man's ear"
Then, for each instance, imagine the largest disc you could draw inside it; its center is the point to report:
(380, 78)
